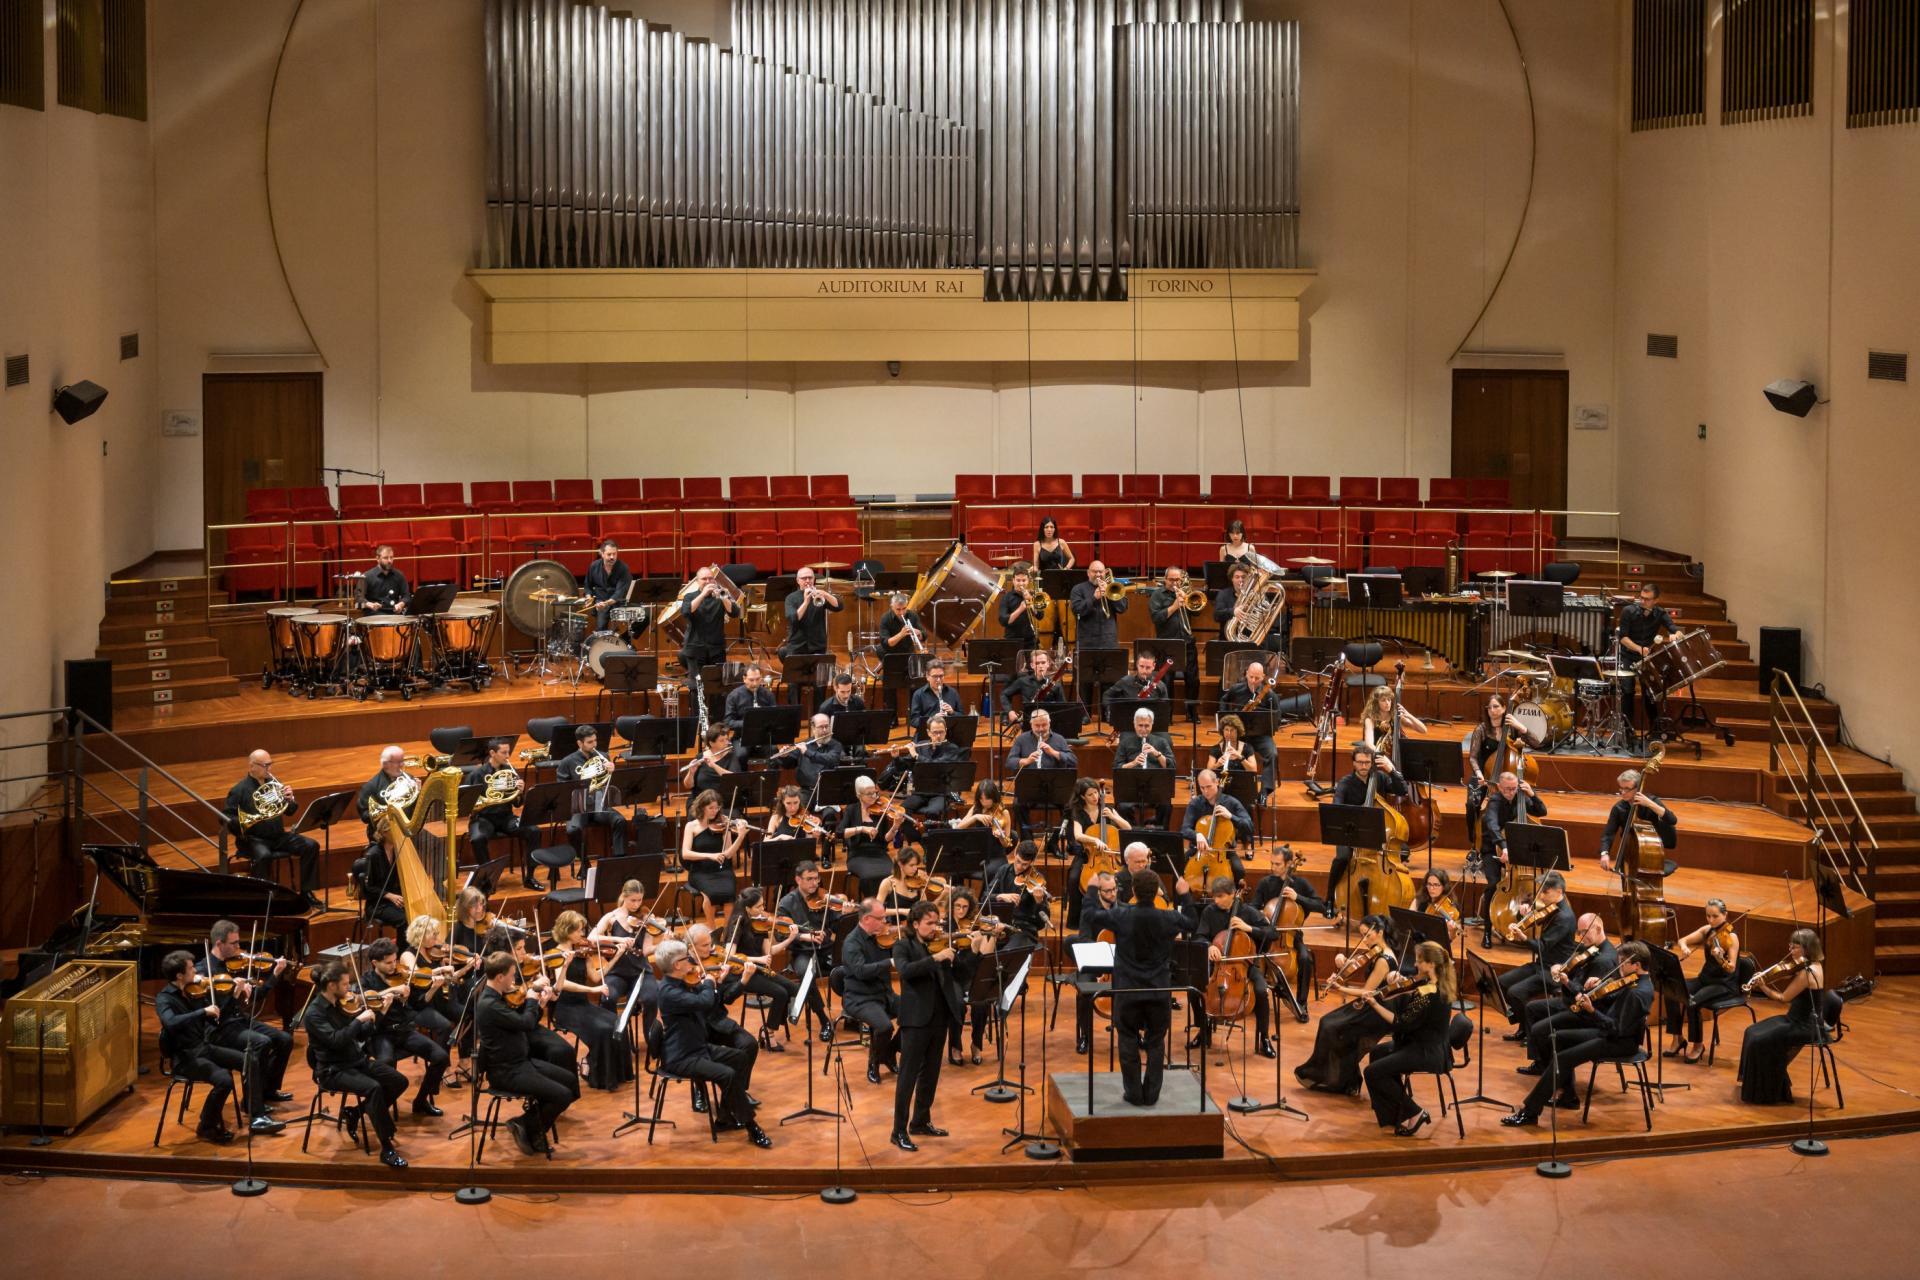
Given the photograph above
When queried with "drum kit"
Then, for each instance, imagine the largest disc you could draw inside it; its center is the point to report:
(1590, 707)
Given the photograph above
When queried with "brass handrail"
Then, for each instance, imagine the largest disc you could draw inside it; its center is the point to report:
(1824, 815)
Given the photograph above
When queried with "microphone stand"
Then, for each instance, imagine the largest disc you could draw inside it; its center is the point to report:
(1042, 1147)
(1553, 1166)
(840, 1192)
(249, 1185)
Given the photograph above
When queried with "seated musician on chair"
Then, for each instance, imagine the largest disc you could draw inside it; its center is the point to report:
(241, 1028)
(607, 582)
(1227, 911)
(1610, 1027)
(186, 1037)
(337, 1041)
(497, 821)
(264, 840)
(1352, 790)
(594, 803)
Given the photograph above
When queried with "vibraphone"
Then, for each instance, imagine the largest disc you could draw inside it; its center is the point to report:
(1460, 629)
(1583, 627)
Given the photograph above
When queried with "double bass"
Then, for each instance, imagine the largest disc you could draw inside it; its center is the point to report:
(1418, 810)
(1389, 882)
(1519, 884)
(1643, 869)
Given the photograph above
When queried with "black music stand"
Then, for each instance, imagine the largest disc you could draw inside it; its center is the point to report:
(1315, 653)
(431, 598)
(800, 672)
(1217, 575)
(638, 783)
(1120, 713)
(1095, 669)
(773, 862)
(1059, 583)
(1418, 926)
(1669, 991)
(625, 674)
(1004, 654)
(863, 728)
(960, 854)
(473, 750)
(1529, 599)
(741, 791)
(1534, 844)
(1476, 972)
(1143, 788)
(656, 737)
(836, 785)
(948, 777)
(321, 813)
(962, 730)
(1354, 826)
(1048, 790)
(897, 678)
(1374, 590)
(603, 881)
(1069, 718)
(546, 804)
(1423, 580)
(1243, 785)
(1428, 762)
(486, 875)
(762, 726)
(1216, 651)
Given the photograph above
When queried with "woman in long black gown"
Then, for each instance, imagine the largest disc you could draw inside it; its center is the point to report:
(709, 846)
(1420, 1021)
(579, 1011)
(1344, 1036)
(1716, 980)
(1771, 1045)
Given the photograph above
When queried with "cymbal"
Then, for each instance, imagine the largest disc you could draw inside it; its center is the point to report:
(546, 595)
(1333, 582)
(1514, 655)
(1307, 560)
(1009, 559)
(830, 564)
(1496, 573)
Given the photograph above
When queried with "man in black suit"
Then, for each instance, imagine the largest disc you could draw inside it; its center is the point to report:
(706, 604)
(688, 1001)
(1553, 945)
(497, 821)
(1617, 1023)
(866, 974)
(1142, 972)
(593, 805)
(186, 1037)
(1038, 747)
(1593, 959)
(337, 1045)
(267, 839)
(1142, 748)
(1254, 694)
(820, 752)
(751, 694)
(509, 1055)
(1506, 803)
(935, 698)
(930, 1003)
(1098, 625)
(1172, 623)
(807, 607)
(1210, 799)
(1042, 681)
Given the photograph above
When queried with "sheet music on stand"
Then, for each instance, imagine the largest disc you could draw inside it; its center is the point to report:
(626, 1010)
(1014, 985)
(1093, 955)
(799, 1005)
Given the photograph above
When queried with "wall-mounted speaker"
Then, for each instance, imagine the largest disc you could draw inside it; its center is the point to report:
(1789, 395)
(79, 400)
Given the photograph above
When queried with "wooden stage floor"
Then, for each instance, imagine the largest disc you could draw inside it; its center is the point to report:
(1879, 1074)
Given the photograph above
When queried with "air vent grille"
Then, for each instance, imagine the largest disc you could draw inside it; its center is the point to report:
(1887, 366)
(129, 346)
(1664, 345)
(17, 374)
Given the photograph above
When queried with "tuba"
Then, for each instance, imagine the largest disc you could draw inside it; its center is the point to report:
(1260, 605)
(271, 800)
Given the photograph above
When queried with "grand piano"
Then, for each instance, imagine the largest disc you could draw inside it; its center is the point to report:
(175, 908)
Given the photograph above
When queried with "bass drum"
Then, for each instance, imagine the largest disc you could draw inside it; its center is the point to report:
(1558, 709)
(600, 645)
(957, 594)
(1682, 660)
(1533, 717)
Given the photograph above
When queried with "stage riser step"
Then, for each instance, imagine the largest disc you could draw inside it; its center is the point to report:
(177, 692)
(158, 607)
(1896, 803)
(179, 650)
(163, 589)
(153, 632)
(165, 673)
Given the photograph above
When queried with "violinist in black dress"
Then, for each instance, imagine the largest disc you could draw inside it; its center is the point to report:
(1420, 1020)
(1771, 1045)
(1718, 979)
(1143, 938)
(580, 1011)
(709, 849)
(1344, 1036)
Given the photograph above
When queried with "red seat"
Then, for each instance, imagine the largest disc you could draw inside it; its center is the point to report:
(788, 491)
(1269, 489)
(268, 504)
(573, 495)
(492, 495)
(439, 554)
(1054, 484)
(623, 494)
(1123, 538)
(533, 497)
(1180, 485)
(840, 534)
(756, 538)
(310, 502)
(659, 491)
(747, 490)
(1100, 486)
(972, 486)
(402, 501)
(1445, 491)
(523, 536)
(445, 498)
(1013, 488)
(572, 541)
(1391, 546)
(799, 539)
(1400, 491)
(257, 560)
(1523, 557)
(1235, 488)
(1359, 491)
(1310, 491)
(704, 540)
(1486, 543)
(1398, 521)
(659, 555)
(360, 502)
(1432, 531)
(1489, 491)
(1139, 486)
(833, 488)
(988, 534)
(703, 489)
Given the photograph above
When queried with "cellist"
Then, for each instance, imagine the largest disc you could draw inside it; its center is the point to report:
(1352, 790)
(1511, 797)
(1665, 821)
(1282, 886)
(1226, 913)
(1210, 800)
(1093, 825)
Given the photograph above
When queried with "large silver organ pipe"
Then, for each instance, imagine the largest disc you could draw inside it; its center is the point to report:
(1051, 143)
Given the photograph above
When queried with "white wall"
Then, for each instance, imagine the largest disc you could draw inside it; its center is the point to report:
(77, 272)
(1415, 161)
(1782, 250)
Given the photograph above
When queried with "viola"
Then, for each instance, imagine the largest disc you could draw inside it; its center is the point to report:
(220, 984)
(1779, 969)
(244, 965)
(1396, 985)
(442, 953)
(1033, 882)
(821, 900)
(1359, 963)
(358, 1002)
(1724, 945)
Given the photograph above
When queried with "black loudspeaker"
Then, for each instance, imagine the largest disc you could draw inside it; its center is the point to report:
(1790, 395)
(1779, 651)
(79, 400)
(90, 689)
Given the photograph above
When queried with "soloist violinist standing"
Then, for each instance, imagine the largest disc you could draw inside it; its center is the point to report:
(1644, 627)
(607, 583)
(867, 997)
(811, 909)
(1283, 885)
(1510, 798)
(1143, 938)
(1616, 1021)
(337, 1044)
(707, 605)
(396, 1034)
(1254, 694)
(1227, 912)
(240, 1026)
(1352, 790)
(807, 607)
(1552, 945)
(495, 821)
(1211, 800)
(934, 698)
(186, 1038)
(752, 694)
(930, 1005)
(1142, 748)
(593, 802)
(1172, 622)
(511, 1057)
(1042, 681)
(1633, 803)
(1016, 607)
(262, 840)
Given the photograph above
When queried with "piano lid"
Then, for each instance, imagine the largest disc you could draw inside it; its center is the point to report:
(170, 891)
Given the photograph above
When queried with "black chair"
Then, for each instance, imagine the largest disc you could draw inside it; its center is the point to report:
(316, 1110)
(1744, 969)
(541, 728)
(553, 857)
(1362, 657)
(488, 1121)
(1833, 1028)
(1638, 1060)
(663, 1080)
(1564, 572)
(1459, 1055)
(446, 741)
(186, 1083)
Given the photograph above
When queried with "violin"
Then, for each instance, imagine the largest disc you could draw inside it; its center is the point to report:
(1618, 982)
(1359, 963)
(888, 935)
(1396, 985)
(1577, 959)
(1779, 969)
(821, 900)
(926, 884)
(1724, 945)
(1034, 883)
(358, 1002)
(249, 965)
(1535, 917)
(766, 923)
(441, 953)
(719, 966)
(220, 984)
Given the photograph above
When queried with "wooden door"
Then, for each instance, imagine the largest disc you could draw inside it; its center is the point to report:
(1512, 423)
(259, 430)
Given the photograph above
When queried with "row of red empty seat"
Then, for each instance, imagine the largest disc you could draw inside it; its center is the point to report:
(453, 497)
(1269, 489)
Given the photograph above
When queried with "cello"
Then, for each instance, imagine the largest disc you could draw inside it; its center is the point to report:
(1521, 883)
(1643, 907)
(1418, 810)
(1230, 990)
(1107, 857)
